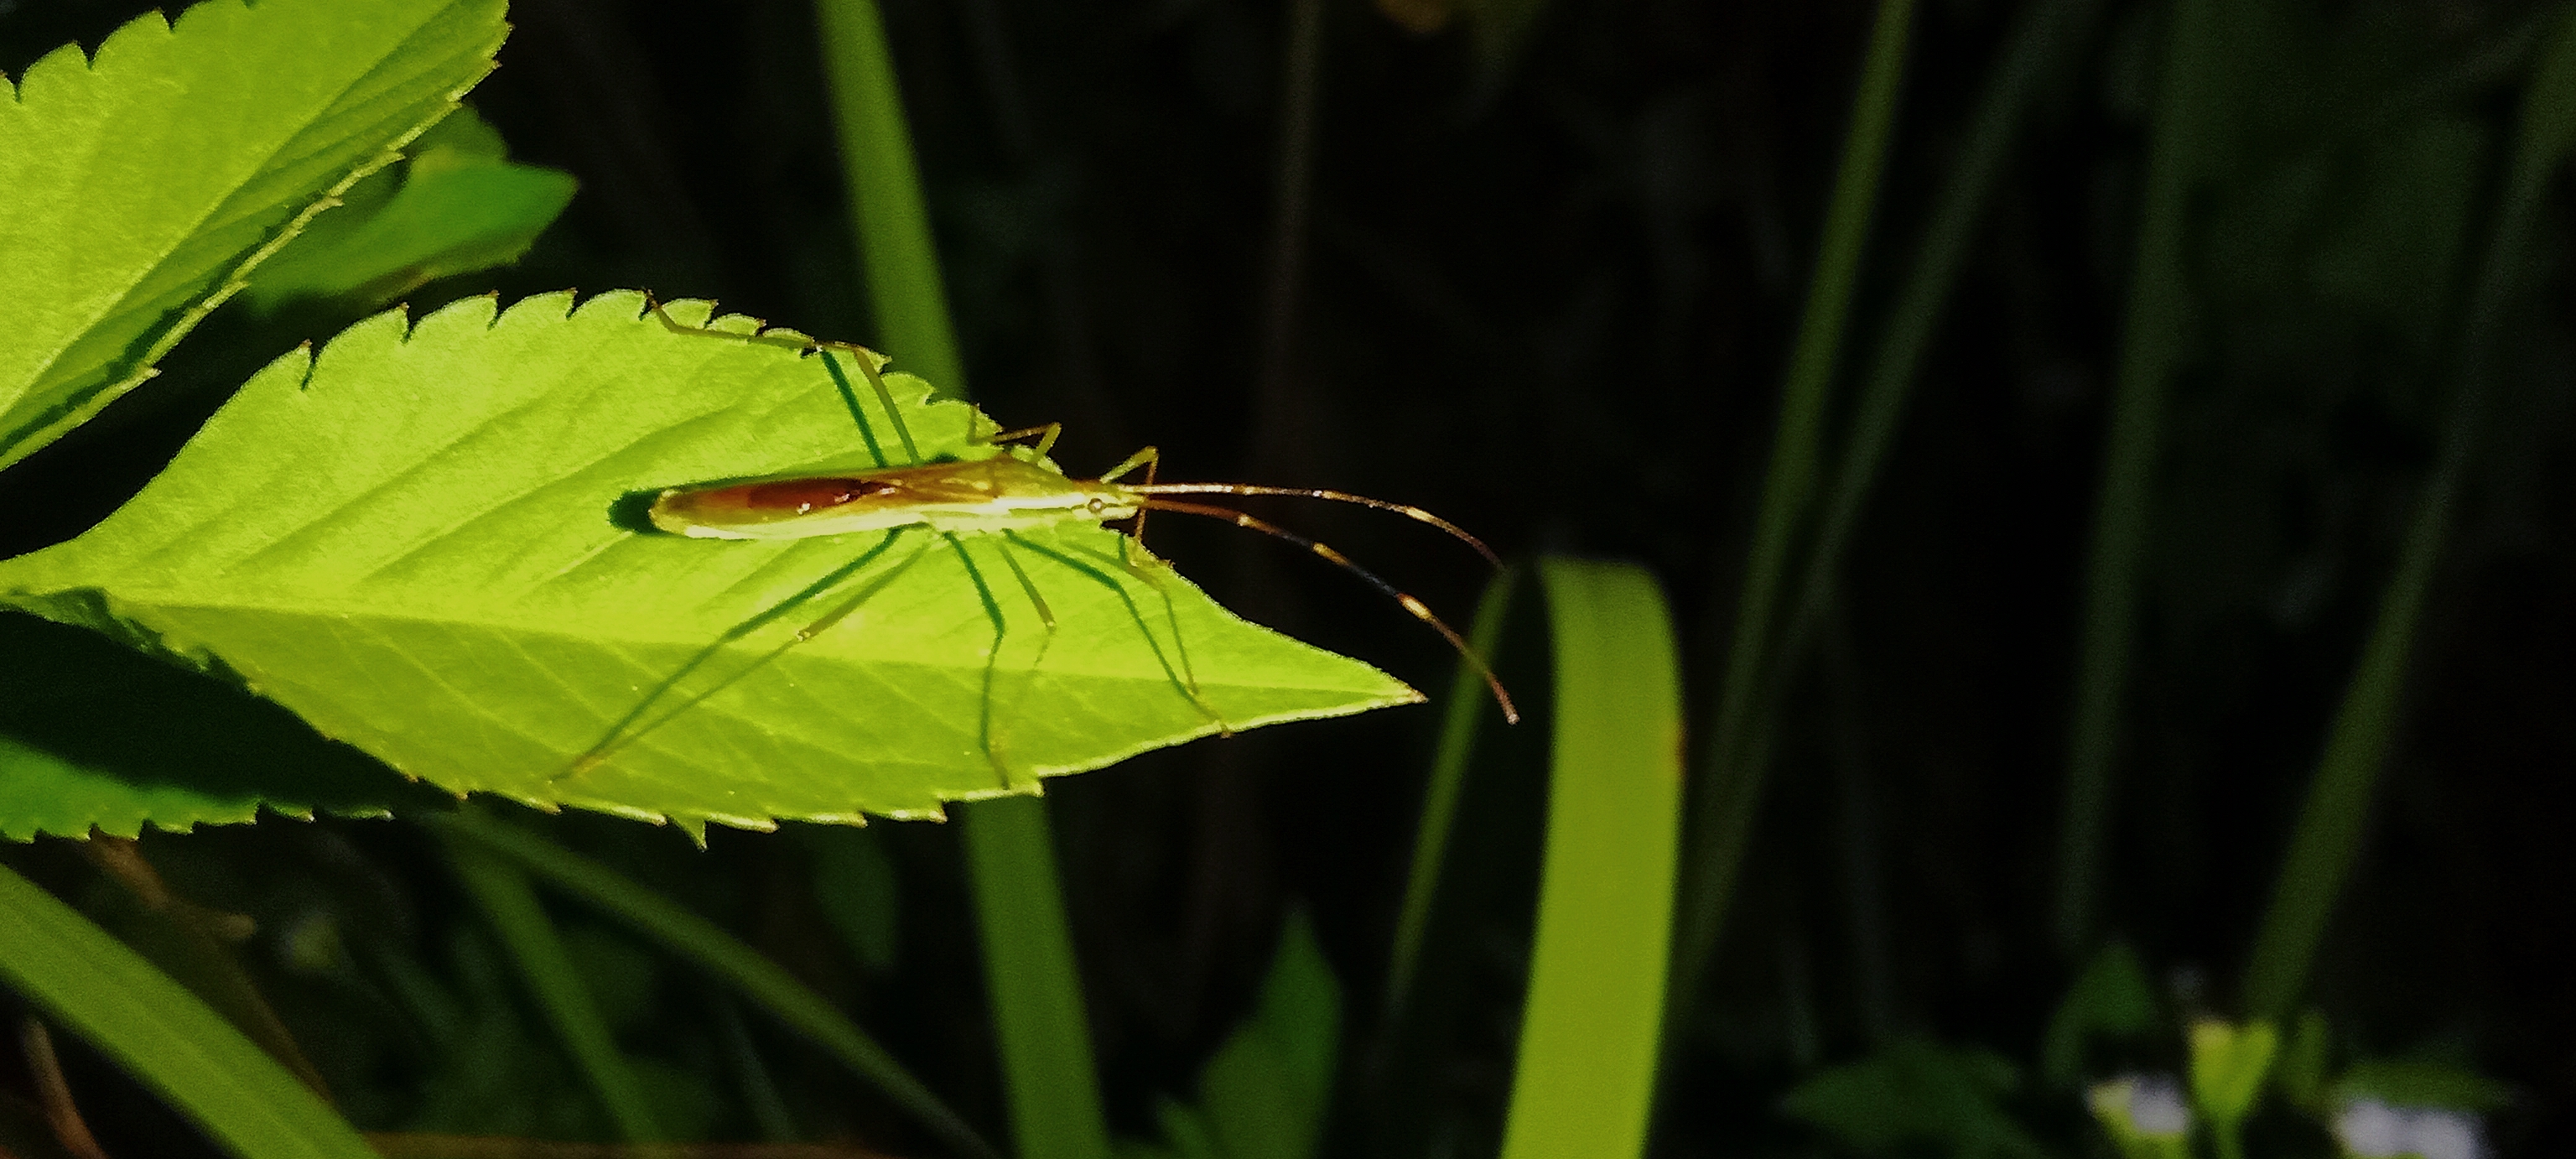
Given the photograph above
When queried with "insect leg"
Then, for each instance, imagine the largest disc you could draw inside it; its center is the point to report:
(1046, 437)
(633, 726)
(867, 361)
(1181, 677)
(993, 745)
(1129, 545)
(1145, 458)
(1046, 617)
(1150, 459)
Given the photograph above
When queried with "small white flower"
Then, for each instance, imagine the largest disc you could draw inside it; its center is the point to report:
(2370, 1129)
(2157, 1108)
(2143, 1106)
(2441, 1134)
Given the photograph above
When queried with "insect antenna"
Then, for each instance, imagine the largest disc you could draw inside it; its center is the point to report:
(1406, 510)
(1408, 603)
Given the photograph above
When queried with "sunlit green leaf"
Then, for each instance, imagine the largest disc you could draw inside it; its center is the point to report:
(423, 542)
(144, 182)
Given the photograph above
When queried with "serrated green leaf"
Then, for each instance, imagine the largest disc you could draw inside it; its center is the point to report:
(94, 735)
(145, 182)
(458, 205)
(416, 542)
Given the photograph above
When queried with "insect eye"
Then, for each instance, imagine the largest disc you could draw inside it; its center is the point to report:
(1098, 505)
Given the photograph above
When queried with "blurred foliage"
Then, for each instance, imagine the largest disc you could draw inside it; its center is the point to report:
(1264, 1093)
(1917, 1093)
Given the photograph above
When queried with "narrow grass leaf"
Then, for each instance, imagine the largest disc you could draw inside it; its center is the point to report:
(2337, 808)
(2043, 30)
(883, 182)
(500, 888)
(1035, 982)
(1465, 712)
(1586, 1074)
(1032, 979)
(698, 941)
(2150, 347)
(1729, 788)
(162, 1034)
(145, 182)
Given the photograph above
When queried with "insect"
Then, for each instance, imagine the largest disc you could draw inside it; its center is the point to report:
(1015, 490)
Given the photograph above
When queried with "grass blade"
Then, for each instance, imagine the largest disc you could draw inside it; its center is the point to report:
(2045, 28)
(759, 980)
(1730, 786)
(2331, 820)
(502, 891)
(162, 1034)
(886, 210)
(2149, 348)
(1586, 1076)
(1036, 985)
(1465, 711)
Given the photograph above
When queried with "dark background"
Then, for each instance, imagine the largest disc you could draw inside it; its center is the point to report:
(1547, 290)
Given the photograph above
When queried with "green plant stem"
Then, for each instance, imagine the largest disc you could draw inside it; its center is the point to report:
(1730, 786)
(1035, 983)
(2337, 809)
(1465, 711)
(886, 209)
(161, 1034)
(1585, 1080)
(724, 957)
(2150, 348)
(1293, 178)
(502, 891)
(2045, 28)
